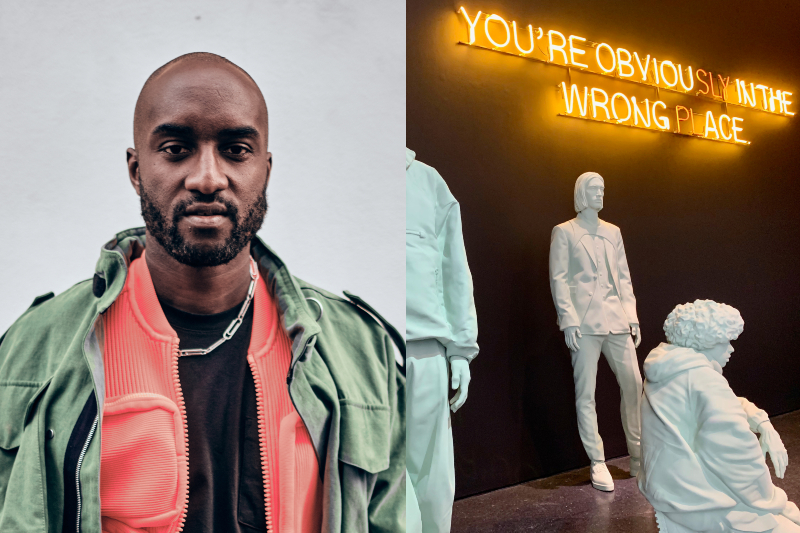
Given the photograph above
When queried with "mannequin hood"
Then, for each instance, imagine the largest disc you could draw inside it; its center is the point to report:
(666, 360)
(409, 157)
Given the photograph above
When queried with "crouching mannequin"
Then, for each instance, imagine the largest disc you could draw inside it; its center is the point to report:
(703, 469)
(591, 287)
(441, 329)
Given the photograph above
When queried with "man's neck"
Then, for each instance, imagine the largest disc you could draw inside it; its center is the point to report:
(589, 216)
(198, 290)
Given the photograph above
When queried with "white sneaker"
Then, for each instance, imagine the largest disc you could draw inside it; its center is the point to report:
(601, 477)
(636, 465)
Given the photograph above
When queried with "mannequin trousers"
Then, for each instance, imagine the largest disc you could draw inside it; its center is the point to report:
(429, 439)
(621, 356)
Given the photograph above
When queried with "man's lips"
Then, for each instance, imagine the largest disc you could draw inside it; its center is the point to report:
(206, 216)
(205, 210)
(206, 221)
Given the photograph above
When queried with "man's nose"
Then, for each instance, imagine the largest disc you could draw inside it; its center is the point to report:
(207, 176)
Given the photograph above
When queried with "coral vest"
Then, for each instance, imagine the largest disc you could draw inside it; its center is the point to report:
(144, 472)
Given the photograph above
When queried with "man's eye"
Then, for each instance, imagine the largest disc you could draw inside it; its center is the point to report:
(236, 150)
(175, 149)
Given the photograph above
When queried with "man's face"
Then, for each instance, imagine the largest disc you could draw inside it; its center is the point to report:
(595, 190)
(201, 164)
(720, 352)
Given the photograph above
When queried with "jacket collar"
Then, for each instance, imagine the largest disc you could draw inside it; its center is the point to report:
(297, 317)
(410, 155)
(603, 229)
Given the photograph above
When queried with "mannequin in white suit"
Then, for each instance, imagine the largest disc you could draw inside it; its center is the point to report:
(591, 287)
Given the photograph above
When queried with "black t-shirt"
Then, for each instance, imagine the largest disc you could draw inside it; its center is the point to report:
(226, 491)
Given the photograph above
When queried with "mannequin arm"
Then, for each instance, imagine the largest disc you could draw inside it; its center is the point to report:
(559, 288)
(772, 444)
(571, 336)
(637, 335)
(724, 440)
(459, 368)
(459, 303)
(768, 438)
(626, 286)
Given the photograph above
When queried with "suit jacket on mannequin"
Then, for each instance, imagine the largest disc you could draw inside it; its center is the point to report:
(577, 292)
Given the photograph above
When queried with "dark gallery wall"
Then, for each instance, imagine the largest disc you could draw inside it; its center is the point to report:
(700, 219)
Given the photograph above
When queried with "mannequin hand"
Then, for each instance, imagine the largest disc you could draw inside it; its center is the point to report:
(771, 443)
(459, 368)
(637, 335)
(571, 336)
(791, 512)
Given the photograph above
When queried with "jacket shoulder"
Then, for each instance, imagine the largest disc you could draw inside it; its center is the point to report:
(611, 227)
(357, 349)
(421, 169)
(563, 228)
(433, 181)
(38, 340)
(340, 310)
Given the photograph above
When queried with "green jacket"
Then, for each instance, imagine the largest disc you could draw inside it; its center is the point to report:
(343, 381)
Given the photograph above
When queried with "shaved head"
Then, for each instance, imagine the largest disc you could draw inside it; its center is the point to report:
(194, 61)
(200, 162)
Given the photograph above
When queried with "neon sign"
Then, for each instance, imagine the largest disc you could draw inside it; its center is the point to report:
(601, 59)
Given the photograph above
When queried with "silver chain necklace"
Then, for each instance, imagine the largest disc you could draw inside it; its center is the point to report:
(231, 330)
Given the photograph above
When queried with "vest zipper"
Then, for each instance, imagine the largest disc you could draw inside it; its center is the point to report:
(78, 470)
(182, 408)
(289, 377)
(262, 437)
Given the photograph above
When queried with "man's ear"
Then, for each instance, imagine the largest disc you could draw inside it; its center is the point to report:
(133, 169)
(269, 168)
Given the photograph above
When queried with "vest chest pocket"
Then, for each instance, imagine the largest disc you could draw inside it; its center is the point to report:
(365, 436)
(19, 399)
(21, 445)
(143, 468)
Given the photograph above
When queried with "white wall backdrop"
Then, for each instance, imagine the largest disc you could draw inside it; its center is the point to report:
(333, 75)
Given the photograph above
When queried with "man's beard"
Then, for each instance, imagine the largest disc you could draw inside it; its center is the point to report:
(166, 232)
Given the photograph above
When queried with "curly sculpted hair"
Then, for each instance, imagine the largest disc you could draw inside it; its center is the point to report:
(702, 324)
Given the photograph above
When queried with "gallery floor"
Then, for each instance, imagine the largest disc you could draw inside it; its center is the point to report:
(567, 503)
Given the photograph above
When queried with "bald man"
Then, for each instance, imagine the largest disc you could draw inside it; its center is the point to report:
(193, 383)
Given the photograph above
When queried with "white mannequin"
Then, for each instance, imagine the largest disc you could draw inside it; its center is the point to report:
(703, 468)
(769, 439)
(595, 191)
(593, 296)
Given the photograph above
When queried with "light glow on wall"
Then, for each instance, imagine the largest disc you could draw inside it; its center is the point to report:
(573, 97)
(683, 83)
(637, 113)
(647, 115)
(500, 19)
(596, 103)
(624, 63)
(569, 51)
(557, 48)
(678, 119)
(614, 109)
(471, 23)
(662, 122)
(671, 65)
(516, 39)
(613, 66)
(642, 69)
(573, 51)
